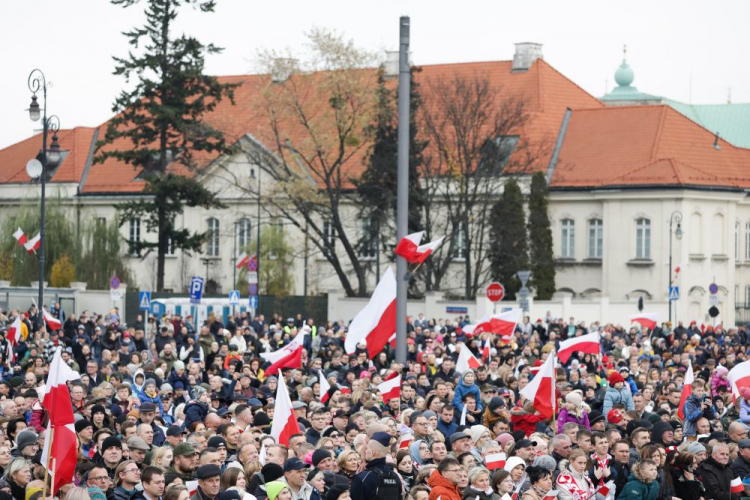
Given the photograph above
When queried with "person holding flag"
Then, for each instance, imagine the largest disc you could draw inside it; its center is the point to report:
(697, 405)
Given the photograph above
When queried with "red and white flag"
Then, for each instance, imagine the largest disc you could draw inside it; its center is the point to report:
(462, 421)
(687, 390)
(486, 350)
(291, 360)
(736, 485)
(406, 440)
(550, 495)
(647, 320)
(32, 245)
(466, 360)
(605, 489)
(284, 423)
(541, 389)
(499, 324)
(391, 387)
(242, 260)
(495, 461)
(414, 253)
(53, 323)
(61, 445)
(18, 235)
(739, 378)
(585, 344)
(376, 323)
(13, 336)
(290, 348)
(192, 487)
(324, 387)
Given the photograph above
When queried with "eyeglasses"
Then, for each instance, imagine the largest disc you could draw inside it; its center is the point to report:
(134, 471)
(99, 478)
(452, 470)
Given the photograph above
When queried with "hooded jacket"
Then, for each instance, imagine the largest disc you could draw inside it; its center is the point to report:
(693, 412)
(525, 421)
(442, 488)
(462, 389)
(638, 488)
(614, 396)
(657, 433)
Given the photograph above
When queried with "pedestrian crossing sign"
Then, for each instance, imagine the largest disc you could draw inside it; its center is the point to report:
(674, 293)
(144, 301)
(234, 298)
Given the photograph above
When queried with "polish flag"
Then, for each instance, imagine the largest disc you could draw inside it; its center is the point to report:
(739, 378)
(463, 416)
(552, 494)
(284, 421)
(486, 351)
(53, 323)
(18, 235)
(13, 336)
(414, 253)
(406, 440)
(466, 360)
(376, 323)
(290, 348)
(606, 488)
(647, 320)
(586, 344)
(32, 245)
(499, 324)
(324, 387)
(192, 487)
(736, 485)
(495, 461)
(541, 389)
(262, 455)
(291, 360)
(60, 445)
(242, 260)
(390, 388)
(687, 390)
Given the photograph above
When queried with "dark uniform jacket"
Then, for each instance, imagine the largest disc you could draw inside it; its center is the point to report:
(365, 484)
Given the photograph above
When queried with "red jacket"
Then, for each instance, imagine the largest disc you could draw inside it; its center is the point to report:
(524, 421)
(442, 488)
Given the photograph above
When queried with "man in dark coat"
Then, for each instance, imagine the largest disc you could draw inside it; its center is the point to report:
(741, 466)
(378, 479)
(717, 474)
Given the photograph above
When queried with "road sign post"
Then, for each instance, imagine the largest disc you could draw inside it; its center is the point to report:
(523, 292)
(144, 304)
(674, 292)
(196, 289)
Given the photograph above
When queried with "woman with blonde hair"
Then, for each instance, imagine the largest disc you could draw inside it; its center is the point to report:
(573, 483)
(162, 457)
(349, 462)
(479, 485)
(18, 475)
(78, 493)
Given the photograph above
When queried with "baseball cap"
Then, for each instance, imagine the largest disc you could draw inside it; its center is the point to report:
(525, 443)
(184, 450)
(459, 435)
(294, 463)
(744, 443)
(147, 406)
(174, 430)
(216, 442)
(382, 437)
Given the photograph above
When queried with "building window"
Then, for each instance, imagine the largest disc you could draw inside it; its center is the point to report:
(642, 239)
(747, 296)
(329, 237)
(596, 238)
(459, 246)
(135, 236)
(737, 241)
(212, 237)
(747, 241)
(369, 246)
(568, 238)
(243, 235)
(101, 222)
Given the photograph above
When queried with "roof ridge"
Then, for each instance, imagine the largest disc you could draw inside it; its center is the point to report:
(676, 170)
(637, 169)
(548, 65)
(688, 165)
(657, 139)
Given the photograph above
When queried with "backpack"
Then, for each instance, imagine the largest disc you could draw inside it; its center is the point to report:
(388, 484)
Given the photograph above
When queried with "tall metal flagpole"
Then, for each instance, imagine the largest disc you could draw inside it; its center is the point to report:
(402, 205)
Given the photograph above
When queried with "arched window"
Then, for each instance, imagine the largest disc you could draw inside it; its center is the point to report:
(212, 237)
(596, 238)
(567, 239)
(642, 238)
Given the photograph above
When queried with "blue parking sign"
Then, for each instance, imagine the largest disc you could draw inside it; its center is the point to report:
(196, 289)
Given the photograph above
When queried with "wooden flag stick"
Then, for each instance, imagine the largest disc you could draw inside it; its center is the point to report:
(48, 445)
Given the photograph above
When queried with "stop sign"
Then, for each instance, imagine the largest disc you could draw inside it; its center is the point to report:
(495, 292)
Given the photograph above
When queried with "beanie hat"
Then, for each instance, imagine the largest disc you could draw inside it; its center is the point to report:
(96, 493)
(111, 442)
(26, 438)
(695, 447)
(261, 419)
(271, 472)
(546, 462)
(82, 424)
(476, 432)
(496, 402)
(149, 381)
(615, 377)
(504, 438)
(30, 492)
(274, 488)
(320, 455)
(614, 416)
(467, 372)
(721, 370)
(574, 398)
(98, 409)
(335, 491)
(178, 365)
(198, 391)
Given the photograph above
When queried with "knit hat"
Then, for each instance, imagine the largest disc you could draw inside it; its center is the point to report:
(546, 462)
(95, 493)
(615, 377)
(574, 398)
(98, 409)
(476, 432)
(178, 365)
(111, 442)
(695, 447)
(335, 491)
(149, 381)
(495, 403)
(467, 372)
(30, 492)
(595, 416)
(82, 424)
(614, 416)
(26, 438)
(272, 472)
(274, 488)
(504, 438)
(320, 455)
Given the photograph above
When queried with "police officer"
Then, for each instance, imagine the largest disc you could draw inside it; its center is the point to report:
(378, 479)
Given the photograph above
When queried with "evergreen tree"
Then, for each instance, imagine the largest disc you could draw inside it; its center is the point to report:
(162, 118)
(509, 248)
(540, 239)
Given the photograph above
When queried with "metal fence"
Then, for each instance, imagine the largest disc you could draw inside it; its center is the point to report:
(741, 314)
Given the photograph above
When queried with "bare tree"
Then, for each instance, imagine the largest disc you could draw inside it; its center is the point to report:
(476, 136)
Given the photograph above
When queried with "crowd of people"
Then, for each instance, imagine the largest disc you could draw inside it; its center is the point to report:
(165, 410)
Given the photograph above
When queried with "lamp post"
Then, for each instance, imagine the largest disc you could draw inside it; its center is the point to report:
(37, 82)
(257, 237)
(675, 218)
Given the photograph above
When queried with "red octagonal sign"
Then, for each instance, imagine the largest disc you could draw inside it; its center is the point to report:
(495, 292)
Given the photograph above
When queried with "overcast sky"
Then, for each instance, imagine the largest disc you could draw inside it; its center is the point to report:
(686, 50)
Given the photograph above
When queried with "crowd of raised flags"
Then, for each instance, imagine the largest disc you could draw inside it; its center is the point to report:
(501, 408)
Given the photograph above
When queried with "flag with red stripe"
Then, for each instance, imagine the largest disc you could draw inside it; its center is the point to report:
(687, 390)
(292, 360)
(414, 253)
(376, 323)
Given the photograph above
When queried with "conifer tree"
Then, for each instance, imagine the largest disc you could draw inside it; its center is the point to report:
(540, 240)
(509, 249)
(162, 117)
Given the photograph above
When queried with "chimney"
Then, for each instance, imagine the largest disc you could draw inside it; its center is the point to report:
(283, 68)
(390, 65)
(526, 54)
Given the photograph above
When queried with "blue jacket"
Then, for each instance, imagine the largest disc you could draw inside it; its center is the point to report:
(613, 397)
(745, 411)
(447, 429)
(463, 389)
(693, 412)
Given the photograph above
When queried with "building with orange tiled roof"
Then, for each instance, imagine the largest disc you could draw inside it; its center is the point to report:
(616, 174)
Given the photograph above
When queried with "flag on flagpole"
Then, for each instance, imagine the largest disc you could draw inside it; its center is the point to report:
(463, 417)
(242, 260)
(414, 253)
(500, 324)
(466, 360)
(262, 455)
(284, 423)
(376, 323)
(541, 389)
(486, 350)
(687, 390)
(324, 387)
(32, 245)
(390, 388)
(13, 336)
(739, 378)
(647, 320)
(19, 236)
(585, 344)
(292, 360)
(53, 323)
